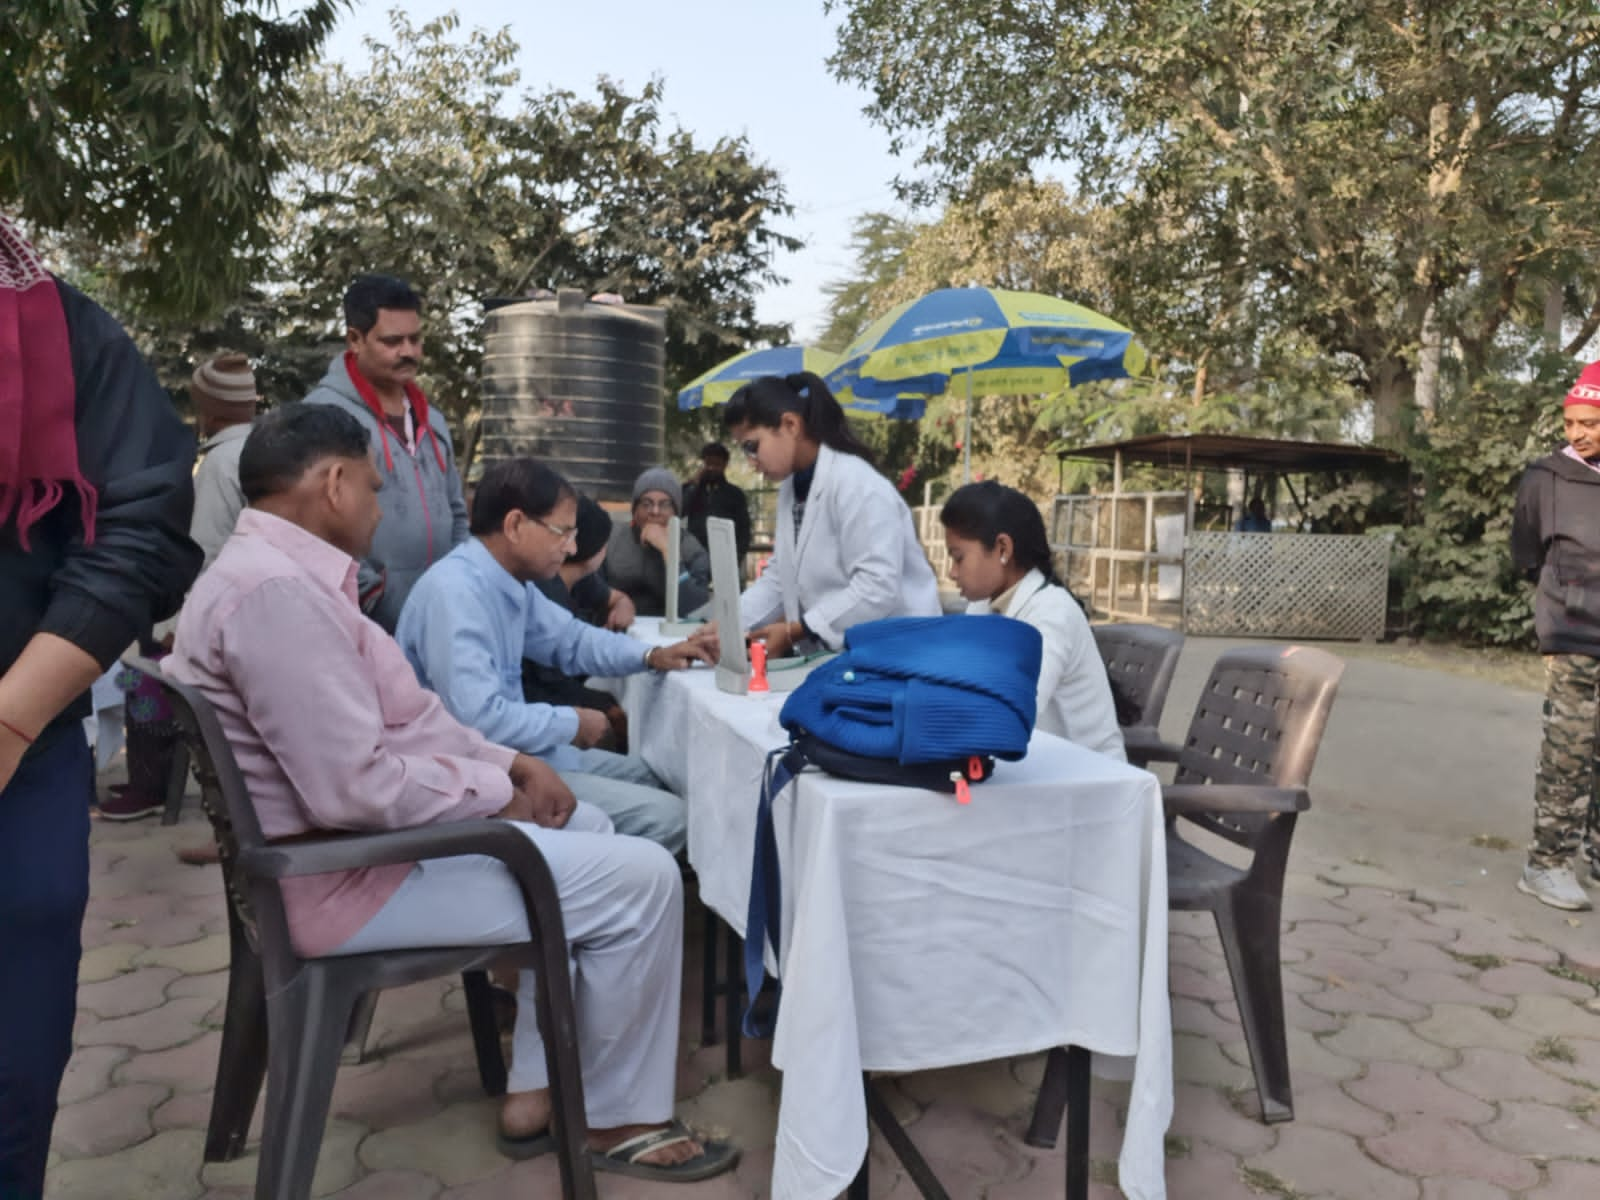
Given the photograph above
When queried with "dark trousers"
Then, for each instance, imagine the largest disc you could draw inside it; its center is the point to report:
(44, 887)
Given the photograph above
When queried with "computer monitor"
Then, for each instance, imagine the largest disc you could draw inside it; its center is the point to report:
(733, 665)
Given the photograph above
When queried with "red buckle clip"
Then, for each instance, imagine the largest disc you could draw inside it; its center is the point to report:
(963, 793)
(975, 768)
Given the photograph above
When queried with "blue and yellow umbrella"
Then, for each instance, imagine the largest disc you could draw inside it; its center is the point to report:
(998, 342)
(718, 385)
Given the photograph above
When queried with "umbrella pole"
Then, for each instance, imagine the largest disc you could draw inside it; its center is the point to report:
(966, 433)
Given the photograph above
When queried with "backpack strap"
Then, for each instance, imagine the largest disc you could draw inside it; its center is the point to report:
(764, 917)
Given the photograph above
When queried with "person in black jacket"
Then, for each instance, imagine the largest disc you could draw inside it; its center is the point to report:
(95, 493)
(710, 494)
(1555, 541)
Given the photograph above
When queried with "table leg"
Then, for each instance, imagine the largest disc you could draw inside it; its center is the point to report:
(1077, 1123)
(733, 992)
(858, 1185)
(927, 1183)
(708, 977)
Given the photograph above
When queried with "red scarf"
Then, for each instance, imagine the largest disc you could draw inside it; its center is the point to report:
(414, 397)
(38, 434)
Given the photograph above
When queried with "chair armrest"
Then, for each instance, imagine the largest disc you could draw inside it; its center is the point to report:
(351, 851)
(1144, 745)
(1181, 798)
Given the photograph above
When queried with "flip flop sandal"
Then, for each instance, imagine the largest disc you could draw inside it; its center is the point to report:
(623, 1158)
(530, 1145)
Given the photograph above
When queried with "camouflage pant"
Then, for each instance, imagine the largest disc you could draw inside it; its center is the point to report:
(1565, 805)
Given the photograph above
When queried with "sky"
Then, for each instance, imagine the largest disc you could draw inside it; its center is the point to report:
(731, 67)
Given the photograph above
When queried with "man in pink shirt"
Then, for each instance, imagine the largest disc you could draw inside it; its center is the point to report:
(332, 732)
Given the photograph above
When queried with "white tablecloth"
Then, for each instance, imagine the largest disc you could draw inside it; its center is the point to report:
(920, 933)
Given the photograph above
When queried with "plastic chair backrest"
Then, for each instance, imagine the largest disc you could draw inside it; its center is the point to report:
(1140, 662)
(1259, 719)
(226, 802)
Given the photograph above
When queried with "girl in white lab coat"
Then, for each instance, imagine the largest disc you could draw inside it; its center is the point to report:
(1000, 559)
(845, 549)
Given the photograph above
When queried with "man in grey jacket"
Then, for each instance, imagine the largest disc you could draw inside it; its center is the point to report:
(225, 399)
(374, 379)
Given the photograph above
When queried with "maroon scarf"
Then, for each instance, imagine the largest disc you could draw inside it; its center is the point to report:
(38, 436)
(414, 397)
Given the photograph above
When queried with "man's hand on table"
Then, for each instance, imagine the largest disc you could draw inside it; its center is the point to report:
(705, 641)
(592, 726)
(620, 612)
(538, 794)
(681, 654)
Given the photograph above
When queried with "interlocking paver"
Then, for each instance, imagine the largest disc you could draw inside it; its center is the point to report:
(1443, 1099)
(1463, 1025)
(1323, 1105)
(1366, 1039)
(337, 1167)
(165, 1166)
(107, 1121)
(1543, 1131)
(1495, 1075)
(1571, 1181)
(1552, 1016)
(1447, 1188)
(1320, 1162)
(1519, 979)
(1410, 1091)
(123, 995)
(1208, 1115)
(1427, 1145)
(171, 1024)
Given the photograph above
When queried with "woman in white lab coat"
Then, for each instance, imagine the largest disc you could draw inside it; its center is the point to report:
(845, 549)
(1000, 560)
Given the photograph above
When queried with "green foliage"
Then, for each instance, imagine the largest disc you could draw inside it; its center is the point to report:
(428, 163)
(148, 127)
(1454, 565)
(1304, 178)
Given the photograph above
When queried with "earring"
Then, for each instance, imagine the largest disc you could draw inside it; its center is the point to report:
(1002, 560)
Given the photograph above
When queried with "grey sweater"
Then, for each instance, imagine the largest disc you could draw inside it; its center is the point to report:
(424, 509)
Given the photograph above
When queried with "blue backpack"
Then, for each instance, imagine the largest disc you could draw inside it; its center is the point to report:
(927, 702)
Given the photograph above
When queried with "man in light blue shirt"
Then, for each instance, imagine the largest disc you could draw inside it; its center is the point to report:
(475, 615)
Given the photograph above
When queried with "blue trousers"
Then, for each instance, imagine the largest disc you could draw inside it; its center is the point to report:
(44, 887)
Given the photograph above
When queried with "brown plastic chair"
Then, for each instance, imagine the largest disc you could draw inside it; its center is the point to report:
(287, 1016)
(1140, 662)
(1241, 774)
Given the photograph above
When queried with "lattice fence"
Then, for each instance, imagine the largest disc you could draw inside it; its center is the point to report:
(1285, 585)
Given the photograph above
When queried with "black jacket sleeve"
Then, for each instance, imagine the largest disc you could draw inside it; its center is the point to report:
(140, 459)
(1527, 523)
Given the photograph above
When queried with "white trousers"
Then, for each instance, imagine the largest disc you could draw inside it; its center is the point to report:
(622, 906)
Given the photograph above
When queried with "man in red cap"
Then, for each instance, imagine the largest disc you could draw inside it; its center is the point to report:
(1555, 541)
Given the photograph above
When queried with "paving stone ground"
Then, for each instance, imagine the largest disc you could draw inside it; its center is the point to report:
(1438, 1054)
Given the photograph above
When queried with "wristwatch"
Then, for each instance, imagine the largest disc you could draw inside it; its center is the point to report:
(648, 665)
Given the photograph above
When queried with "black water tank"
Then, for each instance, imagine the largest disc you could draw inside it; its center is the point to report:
(577, 384)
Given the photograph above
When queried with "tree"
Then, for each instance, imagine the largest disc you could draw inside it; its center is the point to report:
(426, 164)
(1372, 182)
(148, 128)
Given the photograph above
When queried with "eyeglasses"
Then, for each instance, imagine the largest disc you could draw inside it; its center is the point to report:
(663, 505)
(751, 448)
(566, 533)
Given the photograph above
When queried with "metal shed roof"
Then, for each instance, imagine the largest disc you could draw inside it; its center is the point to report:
(1217, 451)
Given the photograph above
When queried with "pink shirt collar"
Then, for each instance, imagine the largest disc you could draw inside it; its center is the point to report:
(323, 562)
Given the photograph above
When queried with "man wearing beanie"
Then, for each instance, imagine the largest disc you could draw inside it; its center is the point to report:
(1555, 541)
(224, 395)
(225, 399)
(636, 558)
